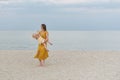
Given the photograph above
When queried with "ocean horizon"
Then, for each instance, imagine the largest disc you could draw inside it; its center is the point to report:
(62, 40)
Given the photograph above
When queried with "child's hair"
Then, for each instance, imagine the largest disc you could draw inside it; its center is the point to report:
(44, 27)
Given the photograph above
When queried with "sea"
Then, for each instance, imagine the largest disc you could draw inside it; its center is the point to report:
(62, 40)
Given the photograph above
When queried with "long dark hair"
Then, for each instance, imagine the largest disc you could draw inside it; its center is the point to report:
(44, 27)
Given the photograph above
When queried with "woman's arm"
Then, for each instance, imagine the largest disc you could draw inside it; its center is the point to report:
(47, 37)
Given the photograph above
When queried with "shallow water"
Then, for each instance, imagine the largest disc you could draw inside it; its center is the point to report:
(62, 40)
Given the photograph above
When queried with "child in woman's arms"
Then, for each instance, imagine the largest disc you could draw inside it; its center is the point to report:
(41, 40)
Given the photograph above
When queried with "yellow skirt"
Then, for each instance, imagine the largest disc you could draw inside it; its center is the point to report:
(42, 53)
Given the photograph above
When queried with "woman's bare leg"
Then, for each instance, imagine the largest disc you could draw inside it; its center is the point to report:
(41, 64)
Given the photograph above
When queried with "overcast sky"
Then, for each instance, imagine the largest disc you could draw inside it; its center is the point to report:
(60, 14)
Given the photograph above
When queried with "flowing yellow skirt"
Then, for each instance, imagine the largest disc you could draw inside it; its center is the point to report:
(42, 53)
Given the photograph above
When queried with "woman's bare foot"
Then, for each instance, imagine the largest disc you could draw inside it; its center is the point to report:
(42, 63)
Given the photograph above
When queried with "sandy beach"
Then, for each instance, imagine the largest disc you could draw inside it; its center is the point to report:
(61, 65)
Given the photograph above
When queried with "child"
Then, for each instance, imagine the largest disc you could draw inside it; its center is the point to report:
(40, 40)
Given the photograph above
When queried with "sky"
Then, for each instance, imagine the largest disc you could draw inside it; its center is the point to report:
(60, 14)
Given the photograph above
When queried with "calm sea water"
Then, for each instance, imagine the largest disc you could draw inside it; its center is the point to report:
(62, 40)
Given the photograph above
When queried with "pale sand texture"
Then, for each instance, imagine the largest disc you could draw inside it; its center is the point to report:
(61, 65)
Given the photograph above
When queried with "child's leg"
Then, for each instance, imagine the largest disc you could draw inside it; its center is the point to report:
(50, 43)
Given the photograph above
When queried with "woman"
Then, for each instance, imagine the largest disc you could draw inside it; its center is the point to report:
(42, 52)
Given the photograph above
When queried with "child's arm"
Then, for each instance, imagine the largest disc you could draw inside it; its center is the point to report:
(36, 35)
